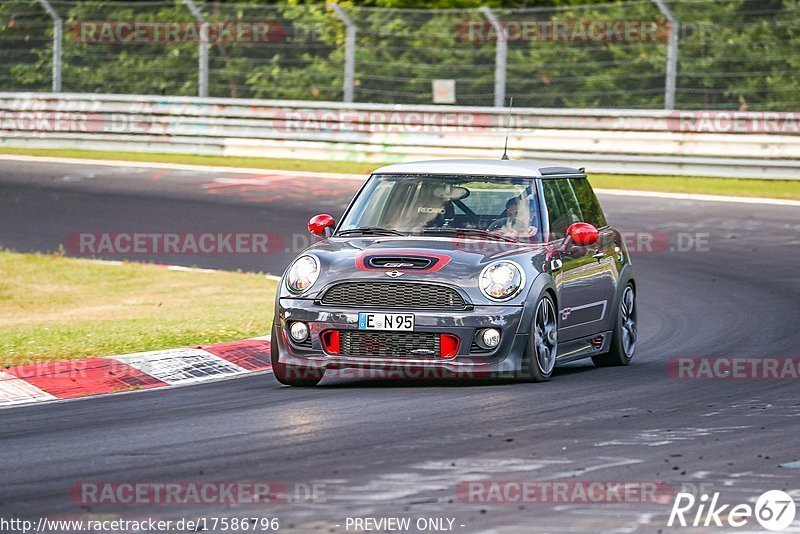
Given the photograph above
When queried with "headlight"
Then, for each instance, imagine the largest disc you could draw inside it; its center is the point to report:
(501, 280)
(302, 274)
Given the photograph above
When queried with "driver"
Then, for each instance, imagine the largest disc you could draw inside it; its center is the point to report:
(517, 222)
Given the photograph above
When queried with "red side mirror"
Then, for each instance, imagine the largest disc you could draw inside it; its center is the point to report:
(319, 224)
(583, 234)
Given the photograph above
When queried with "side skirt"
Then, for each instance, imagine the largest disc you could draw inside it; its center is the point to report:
(584, 347)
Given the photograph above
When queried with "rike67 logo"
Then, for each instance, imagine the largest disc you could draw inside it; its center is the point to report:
(774, 510)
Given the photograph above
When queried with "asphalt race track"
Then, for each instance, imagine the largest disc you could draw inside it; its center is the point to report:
(378, 448)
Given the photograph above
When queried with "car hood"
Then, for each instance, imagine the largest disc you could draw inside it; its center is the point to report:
(454, 261)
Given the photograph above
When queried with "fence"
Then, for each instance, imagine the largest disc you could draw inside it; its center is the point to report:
(644, 54)
(732, 144)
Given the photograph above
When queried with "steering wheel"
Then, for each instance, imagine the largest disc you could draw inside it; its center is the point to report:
(496, 225)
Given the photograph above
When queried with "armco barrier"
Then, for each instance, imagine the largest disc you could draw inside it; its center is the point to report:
(730, 144)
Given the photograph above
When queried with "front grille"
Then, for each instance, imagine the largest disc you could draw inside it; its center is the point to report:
(474, 348)
(305, 344)
(416, 345)
(394, 295)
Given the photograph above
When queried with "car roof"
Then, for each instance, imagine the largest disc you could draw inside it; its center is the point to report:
(479, 167)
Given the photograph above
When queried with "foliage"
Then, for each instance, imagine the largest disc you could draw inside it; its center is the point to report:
(737, 54)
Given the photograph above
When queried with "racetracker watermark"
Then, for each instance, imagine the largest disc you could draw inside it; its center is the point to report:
(182, 243)
(139, 32)
(556, 492)
(635, 242)
(396, 372)
(226, 242)
(734, 368)
(293, 120)
(69, 121)
(199, 493)
(50, 121)
(281, 121)
(565, 31)
(657, 242)
(744, 122)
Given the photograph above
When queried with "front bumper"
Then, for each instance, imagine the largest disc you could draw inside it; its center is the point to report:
(469, 359)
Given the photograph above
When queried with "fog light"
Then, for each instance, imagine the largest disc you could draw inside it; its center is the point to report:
(490, 337)
(298, 331)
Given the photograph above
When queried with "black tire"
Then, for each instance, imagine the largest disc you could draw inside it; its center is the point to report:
(540, 353)
(292, 375)
(623, 340)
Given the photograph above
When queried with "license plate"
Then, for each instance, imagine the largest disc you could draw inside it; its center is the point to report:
(386, 321)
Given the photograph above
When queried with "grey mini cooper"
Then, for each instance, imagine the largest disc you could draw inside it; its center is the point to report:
(458, 267)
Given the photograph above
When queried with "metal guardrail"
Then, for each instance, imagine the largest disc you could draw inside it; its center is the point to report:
(731, 144)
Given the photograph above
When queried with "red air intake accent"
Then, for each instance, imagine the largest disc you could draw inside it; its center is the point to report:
(330, 341)
(448, 345)
(404, 260)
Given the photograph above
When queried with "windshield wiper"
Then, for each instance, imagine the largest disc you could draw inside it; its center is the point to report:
(471, 232)
(370, 230)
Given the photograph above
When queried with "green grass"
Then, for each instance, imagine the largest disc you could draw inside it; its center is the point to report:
(55, 308)
(786, 189)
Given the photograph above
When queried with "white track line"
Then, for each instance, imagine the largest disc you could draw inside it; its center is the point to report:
(701, 198)
(183, 167)
(116, 263)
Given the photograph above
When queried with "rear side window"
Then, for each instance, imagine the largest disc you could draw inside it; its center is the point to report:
(590, 206)
(563, 207)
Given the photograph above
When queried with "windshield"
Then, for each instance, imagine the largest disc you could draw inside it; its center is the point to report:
(487, 206)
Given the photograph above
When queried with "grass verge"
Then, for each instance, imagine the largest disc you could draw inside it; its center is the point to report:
(786, 189)
(345, 167)
(54, 308)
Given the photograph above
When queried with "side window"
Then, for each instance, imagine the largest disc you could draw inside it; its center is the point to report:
(563, 207)
(590, 206)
